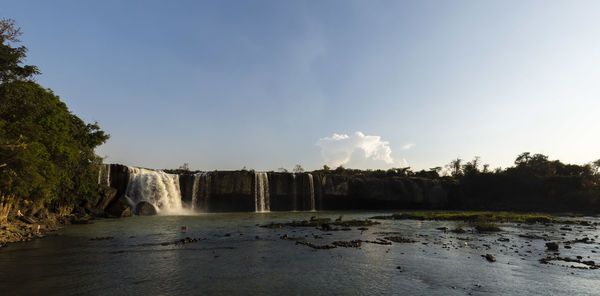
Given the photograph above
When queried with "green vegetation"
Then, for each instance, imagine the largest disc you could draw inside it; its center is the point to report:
(485, 226)
(476, 217)
(46, 152)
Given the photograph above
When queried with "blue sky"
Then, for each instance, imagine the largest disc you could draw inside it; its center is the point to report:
(368, 84)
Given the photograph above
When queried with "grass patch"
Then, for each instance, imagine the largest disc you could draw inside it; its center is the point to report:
(474, 217)
(486, 226)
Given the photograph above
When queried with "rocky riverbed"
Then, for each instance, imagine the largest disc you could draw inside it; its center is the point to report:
(306, 253)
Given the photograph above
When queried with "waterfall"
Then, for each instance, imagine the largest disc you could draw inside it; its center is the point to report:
(311, 187)
(156, 187)
(104, 175)
(201, 190)
(195, 191)
(262, 199)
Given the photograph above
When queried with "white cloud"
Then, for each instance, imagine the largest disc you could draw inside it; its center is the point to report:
(407, 146)
(358, 150)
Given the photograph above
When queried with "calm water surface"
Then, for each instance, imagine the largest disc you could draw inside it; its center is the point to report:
(235, 256)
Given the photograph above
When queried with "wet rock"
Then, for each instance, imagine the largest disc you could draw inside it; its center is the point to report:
(490, 257)
(101, 238)
(503, 239)
(379, 241)
(315, 246)
(590, 264)
(348, 244)
(186, 240)
(444, 229)
(144, 208)
(552, 246)
(399, 239)
(531, 236)
(566, 228)
(584, 240)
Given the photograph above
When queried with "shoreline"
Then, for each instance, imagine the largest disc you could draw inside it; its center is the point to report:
(24, 229)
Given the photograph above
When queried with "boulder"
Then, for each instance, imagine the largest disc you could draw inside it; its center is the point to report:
(120, 208)
(552, 246)
(144, 208)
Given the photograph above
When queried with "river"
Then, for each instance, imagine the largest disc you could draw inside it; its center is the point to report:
(138, 256)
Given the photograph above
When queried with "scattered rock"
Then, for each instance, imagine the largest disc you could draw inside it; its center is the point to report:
(186, 240)
(399, 239)
(490, 257)
(348, 244)
(552, 246)
(315, 246)
(101, 238)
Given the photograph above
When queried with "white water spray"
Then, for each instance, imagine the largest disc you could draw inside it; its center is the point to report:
(262, 198)
(156, 187)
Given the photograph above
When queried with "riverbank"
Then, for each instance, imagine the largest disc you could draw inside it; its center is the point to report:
(23, 229)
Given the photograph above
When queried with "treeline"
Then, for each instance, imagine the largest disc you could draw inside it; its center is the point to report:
(534, 183)
(46, 152)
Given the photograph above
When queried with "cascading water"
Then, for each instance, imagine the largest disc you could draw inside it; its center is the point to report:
(201, 190)
(195, 191)
(156, 187)
(104, 175)
(262, 198)
(311, 187)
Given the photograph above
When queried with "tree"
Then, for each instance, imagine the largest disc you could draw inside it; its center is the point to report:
(46, 152)
(471, 167)
(12, 58)
(596, 166)
(455, 167)
(298, 169)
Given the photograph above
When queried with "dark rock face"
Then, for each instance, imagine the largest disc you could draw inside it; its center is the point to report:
(341, 192)
(221, 191)
(144, 208)
(106, 195)
(119, 208)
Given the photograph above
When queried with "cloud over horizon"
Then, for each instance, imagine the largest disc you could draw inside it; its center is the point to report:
(358, 150)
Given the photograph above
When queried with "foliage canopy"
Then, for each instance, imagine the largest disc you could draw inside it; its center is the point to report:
(46, 152)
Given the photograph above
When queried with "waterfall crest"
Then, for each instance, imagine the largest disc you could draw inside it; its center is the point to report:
(156, 187)
(262, 198)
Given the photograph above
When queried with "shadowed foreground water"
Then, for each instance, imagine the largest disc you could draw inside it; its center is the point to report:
(235, 256)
